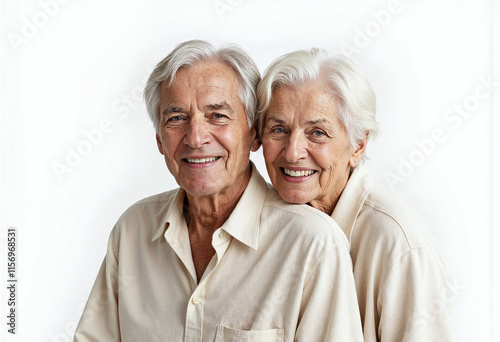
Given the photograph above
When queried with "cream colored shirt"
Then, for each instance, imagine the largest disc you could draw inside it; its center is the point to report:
(281, 273)
(402, 285)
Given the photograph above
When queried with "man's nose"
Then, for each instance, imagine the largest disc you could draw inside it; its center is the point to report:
(295, 148)
(197, 133)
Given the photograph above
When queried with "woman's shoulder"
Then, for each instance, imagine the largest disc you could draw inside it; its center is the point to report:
(389, 220)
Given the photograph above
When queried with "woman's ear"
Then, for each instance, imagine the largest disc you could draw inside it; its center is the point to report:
(357, 155)
(256, 142)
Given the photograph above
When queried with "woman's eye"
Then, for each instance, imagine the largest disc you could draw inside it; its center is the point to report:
(318, 133)
(278, 130)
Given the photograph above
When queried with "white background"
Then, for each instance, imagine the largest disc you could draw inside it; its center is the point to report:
(69, 66)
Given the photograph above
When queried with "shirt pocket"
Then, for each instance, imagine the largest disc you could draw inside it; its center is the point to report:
(225, 334)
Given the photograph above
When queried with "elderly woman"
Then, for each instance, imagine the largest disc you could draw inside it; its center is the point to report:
(317, 114)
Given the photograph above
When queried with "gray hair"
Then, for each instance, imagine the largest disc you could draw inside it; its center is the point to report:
(354, 95)
(193, 51)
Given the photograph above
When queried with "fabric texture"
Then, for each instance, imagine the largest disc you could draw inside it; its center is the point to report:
(401, 280)
(281, 272)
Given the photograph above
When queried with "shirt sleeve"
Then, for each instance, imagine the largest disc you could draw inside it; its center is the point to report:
(414, 300)
(329, 309)
(99, 321)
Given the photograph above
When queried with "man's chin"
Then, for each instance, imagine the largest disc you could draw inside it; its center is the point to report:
(198, 190)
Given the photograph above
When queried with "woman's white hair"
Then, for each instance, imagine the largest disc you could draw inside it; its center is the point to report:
(352, 91)
(193, 51)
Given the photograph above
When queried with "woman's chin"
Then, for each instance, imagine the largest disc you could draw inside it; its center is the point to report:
(295, 197)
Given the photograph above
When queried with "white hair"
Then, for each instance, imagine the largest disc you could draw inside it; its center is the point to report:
(352, 91)
(193, 51)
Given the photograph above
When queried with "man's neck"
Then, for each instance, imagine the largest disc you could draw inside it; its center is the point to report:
(208, 213)
(204, 215)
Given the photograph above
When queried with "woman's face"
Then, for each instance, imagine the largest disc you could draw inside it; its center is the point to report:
(306, 146)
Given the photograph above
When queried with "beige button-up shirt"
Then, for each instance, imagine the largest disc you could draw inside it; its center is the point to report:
(281, 272)
(402, 284)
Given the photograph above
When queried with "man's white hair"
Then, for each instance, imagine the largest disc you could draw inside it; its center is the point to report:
(193, 51)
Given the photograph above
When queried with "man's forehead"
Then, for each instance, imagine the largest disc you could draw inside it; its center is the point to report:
(210, 83)
(206, 95)
(204, 73)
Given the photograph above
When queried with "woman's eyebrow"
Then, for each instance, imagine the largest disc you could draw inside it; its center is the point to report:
(317, 121)
(275, 119)
(310, 122)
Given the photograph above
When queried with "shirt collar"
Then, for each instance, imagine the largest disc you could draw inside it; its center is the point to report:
(173, 218)
(352, 199)
(243, 223)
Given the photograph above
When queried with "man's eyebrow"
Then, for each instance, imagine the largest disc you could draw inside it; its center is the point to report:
(219, 106)
(212, 106)
(168, 110)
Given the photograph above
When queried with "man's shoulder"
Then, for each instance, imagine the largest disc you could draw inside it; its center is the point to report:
(151, 207)
(301, 219)
(297, 211)
(163, 198)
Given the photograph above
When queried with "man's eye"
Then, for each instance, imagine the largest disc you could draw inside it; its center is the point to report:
(218, 116)
(175, 118)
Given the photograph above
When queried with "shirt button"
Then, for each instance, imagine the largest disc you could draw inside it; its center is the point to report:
(196, 300)
(222, 234)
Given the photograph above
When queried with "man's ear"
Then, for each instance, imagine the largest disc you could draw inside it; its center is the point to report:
(358, 153)
(158, 143)
(256, 141)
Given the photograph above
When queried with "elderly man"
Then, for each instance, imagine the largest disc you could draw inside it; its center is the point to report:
(222, 258)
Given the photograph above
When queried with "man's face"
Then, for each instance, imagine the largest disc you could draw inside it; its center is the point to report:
(204, 133)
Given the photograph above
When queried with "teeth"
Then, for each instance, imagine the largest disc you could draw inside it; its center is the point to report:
(292, 173)
(202, 160)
